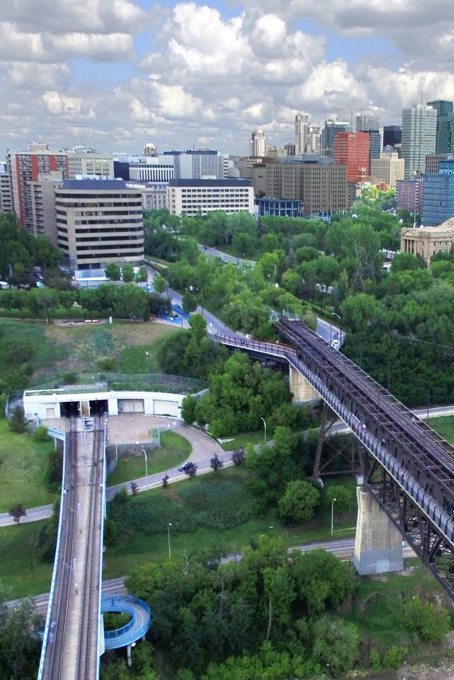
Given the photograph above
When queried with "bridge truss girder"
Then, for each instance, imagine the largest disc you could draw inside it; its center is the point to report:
(421, 534)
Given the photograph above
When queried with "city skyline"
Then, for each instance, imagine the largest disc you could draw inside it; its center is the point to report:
(115, 75)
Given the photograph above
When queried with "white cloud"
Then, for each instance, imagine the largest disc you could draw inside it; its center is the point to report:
(207, 78)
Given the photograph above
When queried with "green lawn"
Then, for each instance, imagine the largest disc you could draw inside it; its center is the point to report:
(22, 469)
(241, 440)
(19, 567)
(444, 426)
(174, 450)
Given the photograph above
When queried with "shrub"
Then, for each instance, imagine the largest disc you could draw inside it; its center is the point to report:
(394, 657)
(18, 422)
(430, 622)
(41, 435)
(374, 659)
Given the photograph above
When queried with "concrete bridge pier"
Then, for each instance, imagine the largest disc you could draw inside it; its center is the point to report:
(301, 389)
(378, 544)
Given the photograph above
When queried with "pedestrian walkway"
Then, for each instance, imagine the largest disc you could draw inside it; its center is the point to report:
(140, 622)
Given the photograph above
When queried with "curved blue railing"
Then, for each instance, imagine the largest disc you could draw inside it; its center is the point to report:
(133, 630)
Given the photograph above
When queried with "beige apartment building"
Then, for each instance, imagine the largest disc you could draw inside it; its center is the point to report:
(388, 168)
(321, 187)
(99, 221)
(83, 164)
(426, 241)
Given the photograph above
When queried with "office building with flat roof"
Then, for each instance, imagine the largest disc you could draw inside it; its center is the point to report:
(352, 149)
(388, 168)
(199, 197)
(438, 195)
(99, 221)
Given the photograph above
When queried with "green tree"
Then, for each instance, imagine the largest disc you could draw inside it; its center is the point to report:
(322, 581)
(336, 646)
(142, 275)
(18, 423)
(299, 502)
(20, 642)
(128, 273)
(428, 620)
(113, 271)
(159, 284)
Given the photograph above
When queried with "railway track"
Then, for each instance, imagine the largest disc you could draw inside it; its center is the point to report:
(71, 651)
(55, 650)
(87, 657)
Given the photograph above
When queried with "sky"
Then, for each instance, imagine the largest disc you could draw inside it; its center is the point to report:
(117, 74)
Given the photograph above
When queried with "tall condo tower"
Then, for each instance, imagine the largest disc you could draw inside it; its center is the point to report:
(301, 124)
(419, 133)
(257, 145)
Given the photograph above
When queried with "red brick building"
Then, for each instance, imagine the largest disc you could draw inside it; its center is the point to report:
(352, 149)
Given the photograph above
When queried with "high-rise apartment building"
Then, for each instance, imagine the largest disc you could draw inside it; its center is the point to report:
(313, 139)
(301, 125)
(433, 161)
(409, 194)
(352, 149)
(419, 132)
(198, 164)
(331, 129)
(24, 167)
(257, 145)
(6, 199)
(99, 221)
(388, 168)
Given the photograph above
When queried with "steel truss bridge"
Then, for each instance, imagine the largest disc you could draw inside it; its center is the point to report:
(404, 464)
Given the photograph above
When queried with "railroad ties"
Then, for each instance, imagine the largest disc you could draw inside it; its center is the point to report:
(71, 649)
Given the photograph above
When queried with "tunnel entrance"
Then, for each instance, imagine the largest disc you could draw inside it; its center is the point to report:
(83, 408)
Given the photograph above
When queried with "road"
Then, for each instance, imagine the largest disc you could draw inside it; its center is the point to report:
(342, 548)
(203, 467)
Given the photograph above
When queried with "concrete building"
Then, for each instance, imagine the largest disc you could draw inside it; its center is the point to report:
(433, 162)
(99, 221)
(313, 139)
(42, 196)
(445, 125)
(24, 167)
(438, 195)
(352, 149)
(84, 164)
(199, 197)
(409, 194)
(388, 168)
(419, 133)
(301, 125)
(154, 195)
(320, 185)
(198, 164)
(257, 145)
(6, 196)
(147, 169)
(331, 129)
(427, 241)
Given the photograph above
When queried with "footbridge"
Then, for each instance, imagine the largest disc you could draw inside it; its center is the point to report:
(135, 629)
(406, 473)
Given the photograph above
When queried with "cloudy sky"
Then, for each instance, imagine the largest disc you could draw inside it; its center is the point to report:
(115, 74)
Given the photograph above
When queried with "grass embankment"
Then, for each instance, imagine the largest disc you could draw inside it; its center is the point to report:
(444, 426)
(174, 450)
(20, 568)
(241, 440)
(23, 464)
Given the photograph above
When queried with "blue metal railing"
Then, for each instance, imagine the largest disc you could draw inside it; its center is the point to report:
(130, 632)
(62, 437)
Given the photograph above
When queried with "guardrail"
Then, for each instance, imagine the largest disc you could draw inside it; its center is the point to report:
(129, 633)
(55, 569)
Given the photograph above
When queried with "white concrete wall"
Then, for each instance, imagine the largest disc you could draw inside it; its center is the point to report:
(41, 402)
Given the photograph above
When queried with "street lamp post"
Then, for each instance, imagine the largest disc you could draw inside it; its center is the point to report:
(264, 426)
(168, 538)
(146, 462)
(332, 516)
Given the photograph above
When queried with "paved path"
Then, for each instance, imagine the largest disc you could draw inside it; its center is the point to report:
(343, 548)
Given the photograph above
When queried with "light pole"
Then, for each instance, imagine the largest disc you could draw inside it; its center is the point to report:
(264, 426)
(146, 462)
(332, 516)
(168, 538)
